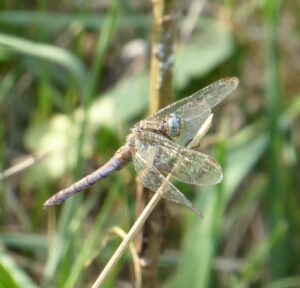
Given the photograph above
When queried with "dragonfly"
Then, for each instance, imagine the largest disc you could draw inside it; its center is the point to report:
(158, 148)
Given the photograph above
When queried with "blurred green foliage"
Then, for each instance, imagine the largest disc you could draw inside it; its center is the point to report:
(74, 79)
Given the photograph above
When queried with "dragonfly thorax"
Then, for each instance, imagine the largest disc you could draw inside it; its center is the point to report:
(169, 126)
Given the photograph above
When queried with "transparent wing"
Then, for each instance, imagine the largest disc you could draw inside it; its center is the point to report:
(154, 180)
(211, 95)
(195, 109)
(185, 164)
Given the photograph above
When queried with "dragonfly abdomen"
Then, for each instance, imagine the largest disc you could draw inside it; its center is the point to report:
(117, 162)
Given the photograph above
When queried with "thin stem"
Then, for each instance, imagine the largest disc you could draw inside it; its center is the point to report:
(163, 40)
(132, 232)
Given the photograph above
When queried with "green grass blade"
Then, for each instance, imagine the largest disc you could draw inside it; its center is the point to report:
(45, 51)
(11, 275)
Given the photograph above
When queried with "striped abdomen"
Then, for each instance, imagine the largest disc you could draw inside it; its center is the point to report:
(118, 161)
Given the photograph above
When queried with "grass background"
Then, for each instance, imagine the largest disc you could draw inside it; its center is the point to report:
(75, 78)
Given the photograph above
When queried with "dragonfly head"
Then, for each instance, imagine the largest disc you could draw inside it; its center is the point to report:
(172, 125)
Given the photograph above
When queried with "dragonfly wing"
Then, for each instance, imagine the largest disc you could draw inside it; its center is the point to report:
(195, 109)
(211, 95)
(186, 165)
(154, 180)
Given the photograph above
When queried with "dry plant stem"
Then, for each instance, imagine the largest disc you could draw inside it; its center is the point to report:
(201, 132)
(132, 232)
(150, 239)
(161, 76)
(162, 53)
(135, 257)
(28, 162)
(146, 212)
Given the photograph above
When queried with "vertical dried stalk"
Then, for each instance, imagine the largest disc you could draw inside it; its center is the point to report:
(162, 53)
(162, 57)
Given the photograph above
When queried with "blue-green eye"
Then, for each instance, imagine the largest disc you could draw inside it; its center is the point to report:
(173, 122)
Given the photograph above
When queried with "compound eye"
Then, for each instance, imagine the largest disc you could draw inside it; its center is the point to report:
(173, 128)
